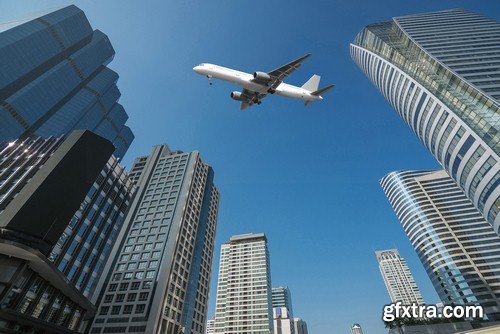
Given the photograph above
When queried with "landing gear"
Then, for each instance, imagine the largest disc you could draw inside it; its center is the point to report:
(271, 91)
(209, 79)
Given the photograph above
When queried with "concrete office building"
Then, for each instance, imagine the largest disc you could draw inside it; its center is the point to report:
(282, 321)
(210, 326)
(439, 72)
(282, 297)
(458, 248)
(63, 86)
(299, 326)
(159, 278)
(42, 183)
(397, 277)
(244, 287)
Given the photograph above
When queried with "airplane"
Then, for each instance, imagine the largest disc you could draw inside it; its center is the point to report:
(260, 84)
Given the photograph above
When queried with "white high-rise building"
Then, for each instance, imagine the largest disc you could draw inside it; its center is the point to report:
(244, 287)
(356, 329)
(398, 278)
(210, 329)
(283, 321)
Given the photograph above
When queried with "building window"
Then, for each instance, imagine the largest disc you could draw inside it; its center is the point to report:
(140, 308)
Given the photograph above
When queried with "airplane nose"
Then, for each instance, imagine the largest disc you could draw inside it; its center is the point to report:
(197, 69)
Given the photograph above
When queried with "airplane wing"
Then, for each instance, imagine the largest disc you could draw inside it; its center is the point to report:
(279, 74)
(244, 105)
(250, 96)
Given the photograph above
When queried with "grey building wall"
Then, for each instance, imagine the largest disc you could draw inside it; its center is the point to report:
(160, 274)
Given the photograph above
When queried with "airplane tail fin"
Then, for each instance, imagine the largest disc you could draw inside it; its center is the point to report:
(312, 84)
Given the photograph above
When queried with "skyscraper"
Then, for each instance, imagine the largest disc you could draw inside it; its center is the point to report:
(244, 287)
(282, 321)
(398, 278)
(210, 326)
(457, 247)
(356, 329)
(85, 245)
(282, 297)
(438, 71)
(159, 278)
(42, 183)
(299, 326)
(54, 80)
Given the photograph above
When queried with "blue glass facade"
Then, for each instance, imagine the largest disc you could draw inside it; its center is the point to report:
(54, 79)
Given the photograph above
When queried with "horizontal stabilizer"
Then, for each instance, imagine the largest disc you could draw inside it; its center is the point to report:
(322, 90)
(312, 84)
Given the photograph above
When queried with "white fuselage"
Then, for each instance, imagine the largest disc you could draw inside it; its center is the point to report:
(245, 80)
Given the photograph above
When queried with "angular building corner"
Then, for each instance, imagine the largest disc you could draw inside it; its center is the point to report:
(436, 71)
(65, 85)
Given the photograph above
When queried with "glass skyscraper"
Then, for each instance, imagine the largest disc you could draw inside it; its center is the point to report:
(398, 279)
(159, 277)
(244, 287)
(42, 183)
(54, 79)
(440, 72)
(85, 245)
(458, 248)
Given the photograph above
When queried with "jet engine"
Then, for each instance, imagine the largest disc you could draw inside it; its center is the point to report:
(261, 76)
(238, 96)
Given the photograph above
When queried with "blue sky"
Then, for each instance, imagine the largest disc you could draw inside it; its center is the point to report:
(307, 177)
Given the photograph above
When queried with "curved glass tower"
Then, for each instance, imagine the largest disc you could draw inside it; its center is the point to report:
(441, 72)
(458, 248)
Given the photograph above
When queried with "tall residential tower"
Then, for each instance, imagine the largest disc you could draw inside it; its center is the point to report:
(439, 72)
(398, 278)
(244, 288)
(159, 278)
